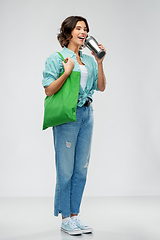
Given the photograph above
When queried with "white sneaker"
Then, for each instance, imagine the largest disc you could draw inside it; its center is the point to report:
(79, 224)
(70, 227)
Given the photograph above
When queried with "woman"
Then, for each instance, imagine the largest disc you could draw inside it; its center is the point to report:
(72, 141)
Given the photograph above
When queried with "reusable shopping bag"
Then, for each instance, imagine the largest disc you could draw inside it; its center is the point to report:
(61, 107)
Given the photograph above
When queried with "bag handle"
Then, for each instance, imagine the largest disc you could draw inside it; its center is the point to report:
(61, 56)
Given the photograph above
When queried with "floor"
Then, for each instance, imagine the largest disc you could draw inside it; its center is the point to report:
(112, 218)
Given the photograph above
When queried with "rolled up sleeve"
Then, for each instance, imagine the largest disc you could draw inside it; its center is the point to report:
(52, 70)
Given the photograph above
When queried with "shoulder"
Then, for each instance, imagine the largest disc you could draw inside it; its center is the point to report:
(54, 57)
(54, 62)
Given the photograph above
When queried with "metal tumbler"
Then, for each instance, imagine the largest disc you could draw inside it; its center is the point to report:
(92, 44)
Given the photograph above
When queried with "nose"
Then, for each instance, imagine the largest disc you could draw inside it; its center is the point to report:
(83, 31)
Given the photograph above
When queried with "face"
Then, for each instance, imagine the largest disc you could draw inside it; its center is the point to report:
(79, 34)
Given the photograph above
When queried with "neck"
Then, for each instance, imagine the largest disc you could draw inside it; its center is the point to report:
(74, 48)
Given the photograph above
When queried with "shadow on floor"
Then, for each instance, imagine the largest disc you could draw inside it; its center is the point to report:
(59, 235)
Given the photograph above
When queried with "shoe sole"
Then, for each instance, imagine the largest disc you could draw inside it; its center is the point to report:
(78, 232)
(87, 230)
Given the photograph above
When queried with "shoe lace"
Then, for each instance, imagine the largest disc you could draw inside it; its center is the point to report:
(71, 223)
(79, 222)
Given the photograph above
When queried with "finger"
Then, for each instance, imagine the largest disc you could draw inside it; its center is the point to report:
(101, 46)
(93, 53)
(63, 63)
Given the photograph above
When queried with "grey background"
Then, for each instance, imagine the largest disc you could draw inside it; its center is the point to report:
(125, 156)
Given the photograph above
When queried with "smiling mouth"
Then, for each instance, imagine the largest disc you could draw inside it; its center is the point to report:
(82, 38)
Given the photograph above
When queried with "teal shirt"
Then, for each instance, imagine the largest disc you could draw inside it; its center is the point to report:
(54, 66)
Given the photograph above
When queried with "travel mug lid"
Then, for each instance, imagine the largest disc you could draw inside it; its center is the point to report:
(88, 39)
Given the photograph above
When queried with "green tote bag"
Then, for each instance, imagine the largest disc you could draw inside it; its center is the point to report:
(61, 107)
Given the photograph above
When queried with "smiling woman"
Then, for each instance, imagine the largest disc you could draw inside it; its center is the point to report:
(79, 33)
(72, 140)
(67, 28)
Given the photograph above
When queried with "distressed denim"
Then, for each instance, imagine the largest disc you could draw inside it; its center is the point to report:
(72, 142)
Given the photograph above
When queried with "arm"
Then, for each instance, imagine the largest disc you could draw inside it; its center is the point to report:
(101, 81)
(57, 84)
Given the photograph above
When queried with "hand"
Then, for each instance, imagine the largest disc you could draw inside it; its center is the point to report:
(68, 66)
(99, 60)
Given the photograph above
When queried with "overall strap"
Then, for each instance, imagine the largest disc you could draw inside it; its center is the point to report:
(61, 56)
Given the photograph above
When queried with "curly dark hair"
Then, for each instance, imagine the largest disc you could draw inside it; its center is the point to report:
(66, 28)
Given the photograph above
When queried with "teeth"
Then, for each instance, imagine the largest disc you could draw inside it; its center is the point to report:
(81, 37)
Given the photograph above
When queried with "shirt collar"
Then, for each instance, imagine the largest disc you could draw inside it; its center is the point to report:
(70, 53)
(80, 52)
